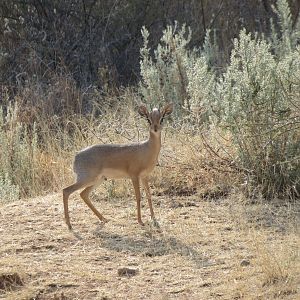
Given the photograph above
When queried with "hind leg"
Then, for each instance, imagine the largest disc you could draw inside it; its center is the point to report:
(66, 193)
(85, 196)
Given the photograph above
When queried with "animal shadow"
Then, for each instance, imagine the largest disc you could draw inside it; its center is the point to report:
(150, 245)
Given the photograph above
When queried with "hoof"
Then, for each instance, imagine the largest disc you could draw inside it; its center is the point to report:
(141, 223)
(69, 225)
(104, 220)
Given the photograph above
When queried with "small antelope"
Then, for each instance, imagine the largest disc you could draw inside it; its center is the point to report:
(136, 161)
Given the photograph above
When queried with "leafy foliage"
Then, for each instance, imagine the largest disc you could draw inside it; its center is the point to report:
(175, 74)
(289, 35)
(261, 110)
(164, 78)
(256, 99)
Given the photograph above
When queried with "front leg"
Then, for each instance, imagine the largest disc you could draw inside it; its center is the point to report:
(148, 194)
(136, 185)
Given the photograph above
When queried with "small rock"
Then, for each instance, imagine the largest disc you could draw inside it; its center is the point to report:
(189, 204)
(228, 228)
(206, 284)
(127, 272)
(245, 262)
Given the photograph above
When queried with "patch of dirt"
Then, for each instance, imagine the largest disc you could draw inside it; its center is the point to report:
(178, 191)
(10, 281)
(216, 193)
(127, 272)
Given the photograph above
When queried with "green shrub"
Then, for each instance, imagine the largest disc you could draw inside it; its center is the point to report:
(164, 78)
(255, 99)
(8, 191)
(284, 41)
(259, 99)
(177, 74)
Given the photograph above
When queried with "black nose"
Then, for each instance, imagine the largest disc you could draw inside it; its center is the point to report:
(155, 128)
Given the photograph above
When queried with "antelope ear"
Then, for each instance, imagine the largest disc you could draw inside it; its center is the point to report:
(143, 111)
(167, 110)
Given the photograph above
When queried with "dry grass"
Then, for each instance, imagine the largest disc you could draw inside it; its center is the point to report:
(203, 250)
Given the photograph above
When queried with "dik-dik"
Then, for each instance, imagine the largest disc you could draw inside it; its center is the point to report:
(136, 161)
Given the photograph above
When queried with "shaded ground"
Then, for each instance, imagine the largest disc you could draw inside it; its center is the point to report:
(203, 250)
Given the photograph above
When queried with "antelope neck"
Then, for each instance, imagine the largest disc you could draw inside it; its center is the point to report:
(155, 140)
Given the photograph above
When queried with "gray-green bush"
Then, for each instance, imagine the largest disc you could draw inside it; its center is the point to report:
(284, 41)
(259, 95)
(255, 98)
(260, 99)
(18, 157)
(164, 78)
(176, 74)
(8, 190)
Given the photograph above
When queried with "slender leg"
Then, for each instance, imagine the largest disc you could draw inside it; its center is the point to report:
(66, 193)
(136, 185)
(85, 196)
(148, 194)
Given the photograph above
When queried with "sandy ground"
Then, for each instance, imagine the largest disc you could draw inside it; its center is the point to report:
(204, 249)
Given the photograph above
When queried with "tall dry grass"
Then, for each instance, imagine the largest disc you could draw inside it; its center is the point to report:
(39, 143)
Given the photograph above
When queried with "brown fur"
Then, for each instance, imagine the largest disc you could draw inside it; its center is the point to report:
(136, 161)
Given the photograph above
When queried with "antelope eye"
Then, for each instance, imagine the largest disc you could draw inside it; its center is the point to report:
(161, 120)
(149, 121)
